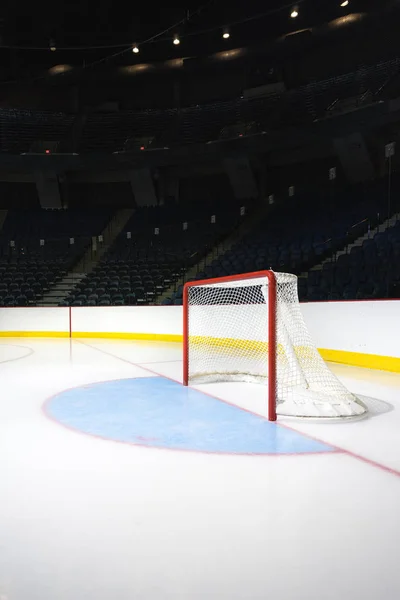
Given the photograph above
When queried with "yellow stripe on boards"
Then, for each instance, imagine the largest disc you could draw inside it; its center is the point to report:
(34, 334)
(355, 359)
(248, 345)
(251, 346)
(358, 359)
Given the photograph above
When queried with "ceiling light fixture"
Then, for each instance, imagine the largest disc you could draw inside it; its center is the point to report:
(52, 45)
(295, 12)
(135, 49)
(226, 35)
(344, 3)
(177, 41)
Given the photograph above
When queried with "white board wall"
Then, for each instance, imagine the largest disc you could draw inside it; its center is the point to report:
(371, 327)
(163, 320)
(34, 320)
(362, 327)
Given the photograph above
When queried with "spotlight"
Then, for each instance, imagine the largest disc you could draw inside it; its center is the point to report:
(135, 49)
(344, 3)
(52, 45)
(294, 13)
(226, 35)
(177, 41)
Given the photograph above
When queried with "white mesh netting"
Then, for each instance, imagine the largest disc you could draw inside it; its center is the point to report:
(228, 341)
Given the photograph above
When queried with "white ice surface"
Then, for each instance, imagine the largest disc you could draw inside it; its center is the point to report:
(86, 519)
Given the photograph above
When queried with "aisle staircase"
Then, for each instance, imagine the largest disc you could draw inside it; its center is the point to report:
(237, 234)
(61, 290)
(89, 260)
(380, 228)
(3, 217)
(97, 249)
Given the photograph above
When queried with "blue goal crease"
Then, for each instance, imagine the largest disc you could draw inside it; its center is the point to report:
(158, 412)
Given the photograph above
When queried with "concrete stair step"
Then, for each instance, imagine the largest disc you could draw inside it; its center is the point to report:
(71, 281)
(54, 294)
(61, 287)
(43, 303)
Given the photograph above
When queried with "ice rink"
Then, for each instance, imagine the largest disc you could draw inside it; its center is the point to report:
(140, 489)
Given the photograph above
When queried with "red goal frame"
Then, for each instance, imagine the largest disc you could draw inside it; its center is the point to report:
(271, 328)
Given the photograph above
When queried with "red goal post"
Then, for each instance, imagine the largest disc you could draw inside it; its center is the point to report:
(271, 357)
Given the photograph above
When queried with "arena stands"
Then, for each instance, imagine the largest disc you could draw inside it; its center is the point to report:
(121, 131)
(22, 128)
(305, 231)
(369, 271)
(154, 250)
(29, 267)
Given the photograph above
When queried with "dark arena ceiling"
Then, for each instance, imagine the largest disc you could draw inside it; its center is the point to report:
(59, 42)
(90, 30)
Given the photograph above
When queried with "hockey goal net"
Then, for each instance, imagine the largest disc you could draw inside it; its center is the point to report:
(250, 328)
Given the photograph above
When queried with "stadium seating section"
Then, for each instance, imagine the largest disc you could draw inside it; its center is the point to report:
(142, 264)
(360, 273)
(155, 250)
(27, 268)
(117, 132)
(160, 244)
(304, 232)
